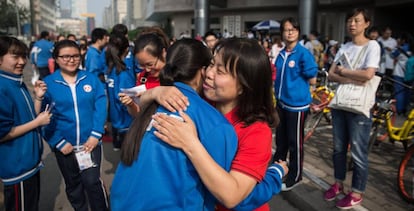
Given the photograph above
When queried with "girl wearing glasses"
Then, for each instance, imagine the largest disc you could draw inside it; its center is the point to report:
(296, 71)
(150, 50)
(75, 98)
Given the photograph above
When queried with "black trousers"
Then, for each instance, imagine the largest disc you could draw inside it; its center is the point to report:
(83, 185)
(23, 195)
(289, 139)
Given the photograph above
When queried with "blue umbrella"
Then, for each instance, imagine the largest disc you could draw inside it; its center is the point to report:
(267, 25)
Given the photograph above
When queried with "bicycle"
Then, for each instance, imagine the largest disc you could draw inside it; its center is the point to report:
(384, 111)
(383, 93)
(404, 134)
(321, 97)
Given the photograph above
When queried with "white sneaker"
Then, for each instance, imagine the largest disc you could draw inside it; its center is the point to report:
(288, 188)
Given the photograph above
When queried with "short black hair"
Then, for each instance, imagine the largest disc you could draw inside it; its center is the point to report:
(13, 45)
(71, 35)
(119, 29)
(63, 44)
(373, 29)
(98, 33)
(295, 23)
(44, 34)
(210, 33)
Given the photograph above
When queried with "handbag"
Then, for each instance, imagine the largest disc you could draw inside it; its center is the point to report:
(356, 98)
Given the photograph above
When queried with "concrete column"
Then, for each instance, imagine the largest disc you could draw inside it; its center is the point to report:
(130, 14)
(115, 11)
(33, 22)
(307, 15)
(201, 17)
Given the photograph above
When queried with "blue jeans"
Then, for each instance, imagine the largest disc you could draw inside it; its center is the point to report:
(402, 95)
(354, 129)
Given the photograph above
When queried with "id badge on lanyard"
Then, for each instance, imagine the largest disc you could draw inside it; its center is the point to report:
(84, 158)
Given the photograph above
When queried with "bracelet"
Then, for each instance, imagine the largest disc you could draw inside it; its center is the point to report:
(39, 98)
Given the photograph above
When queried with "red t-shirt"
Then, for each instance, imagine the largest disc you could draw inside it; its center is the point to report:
(150, 81)
(254, 150)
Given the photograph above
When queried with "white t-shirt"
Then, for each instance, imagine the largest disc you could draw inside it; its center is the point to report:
(399, 69)
(274, 52)
(370, 58)
(388, 62)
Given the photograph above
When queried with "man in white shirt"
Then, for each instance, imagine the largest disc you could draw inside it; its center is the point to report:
(388, 44)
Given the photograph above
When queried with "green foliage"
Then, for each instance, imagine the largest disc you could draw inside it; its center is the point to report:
(8, 17)
(132, 34)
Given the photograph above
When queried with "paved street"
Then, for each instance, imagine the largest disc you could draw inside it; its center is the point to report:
(52, 186)
(381, 193)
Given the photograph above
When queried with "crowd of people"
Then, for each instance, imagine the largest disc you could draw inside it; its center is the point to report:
(193, 118)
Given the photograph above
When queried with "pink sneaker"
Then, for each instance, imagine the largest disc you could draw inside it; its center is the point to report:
(348, 202)
(332, 192)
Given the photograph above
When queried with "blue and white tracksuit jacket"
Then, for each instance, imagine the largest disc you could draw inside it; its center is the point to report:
(118, 113)
(20, 158)
(79, 111)
(41, 52)
(294, 70)
(95, 61)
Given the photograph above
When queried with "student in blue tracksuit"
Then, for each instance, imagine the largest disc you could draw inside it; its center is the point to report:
(296, 71)
(130, 60)
(74, 134)
(94, 58)
(41, 53)
(21, 145)
(155, 176)
(119, 76)
(124, 79)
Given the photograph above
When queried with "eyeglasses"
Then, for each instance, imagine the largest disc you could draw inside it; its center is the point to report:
(149, 65)
(67, 58)
(290, 30)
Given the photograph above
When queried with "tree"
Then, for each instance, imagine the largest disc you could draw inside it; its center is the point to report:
(8, 16)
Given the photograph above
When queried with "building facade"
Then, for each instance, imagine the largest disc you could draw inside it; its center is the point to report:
(78, 8)
(238, 16)
(74, 26)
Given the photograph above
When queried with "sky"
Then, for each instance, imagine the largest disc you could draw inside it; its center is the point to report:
(97, 7)
(94, 6)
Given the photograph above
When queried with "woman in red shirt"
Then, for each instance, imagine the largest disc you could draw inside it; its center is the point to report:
(238, 82)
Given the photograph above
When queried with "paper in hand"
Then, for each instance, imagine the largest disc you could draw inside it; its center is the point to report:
(344, 61)
(134, 91)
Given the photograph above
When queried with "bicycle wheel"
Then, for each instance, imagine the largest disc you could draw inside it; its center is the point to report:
(406, 176)
(312, 121)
